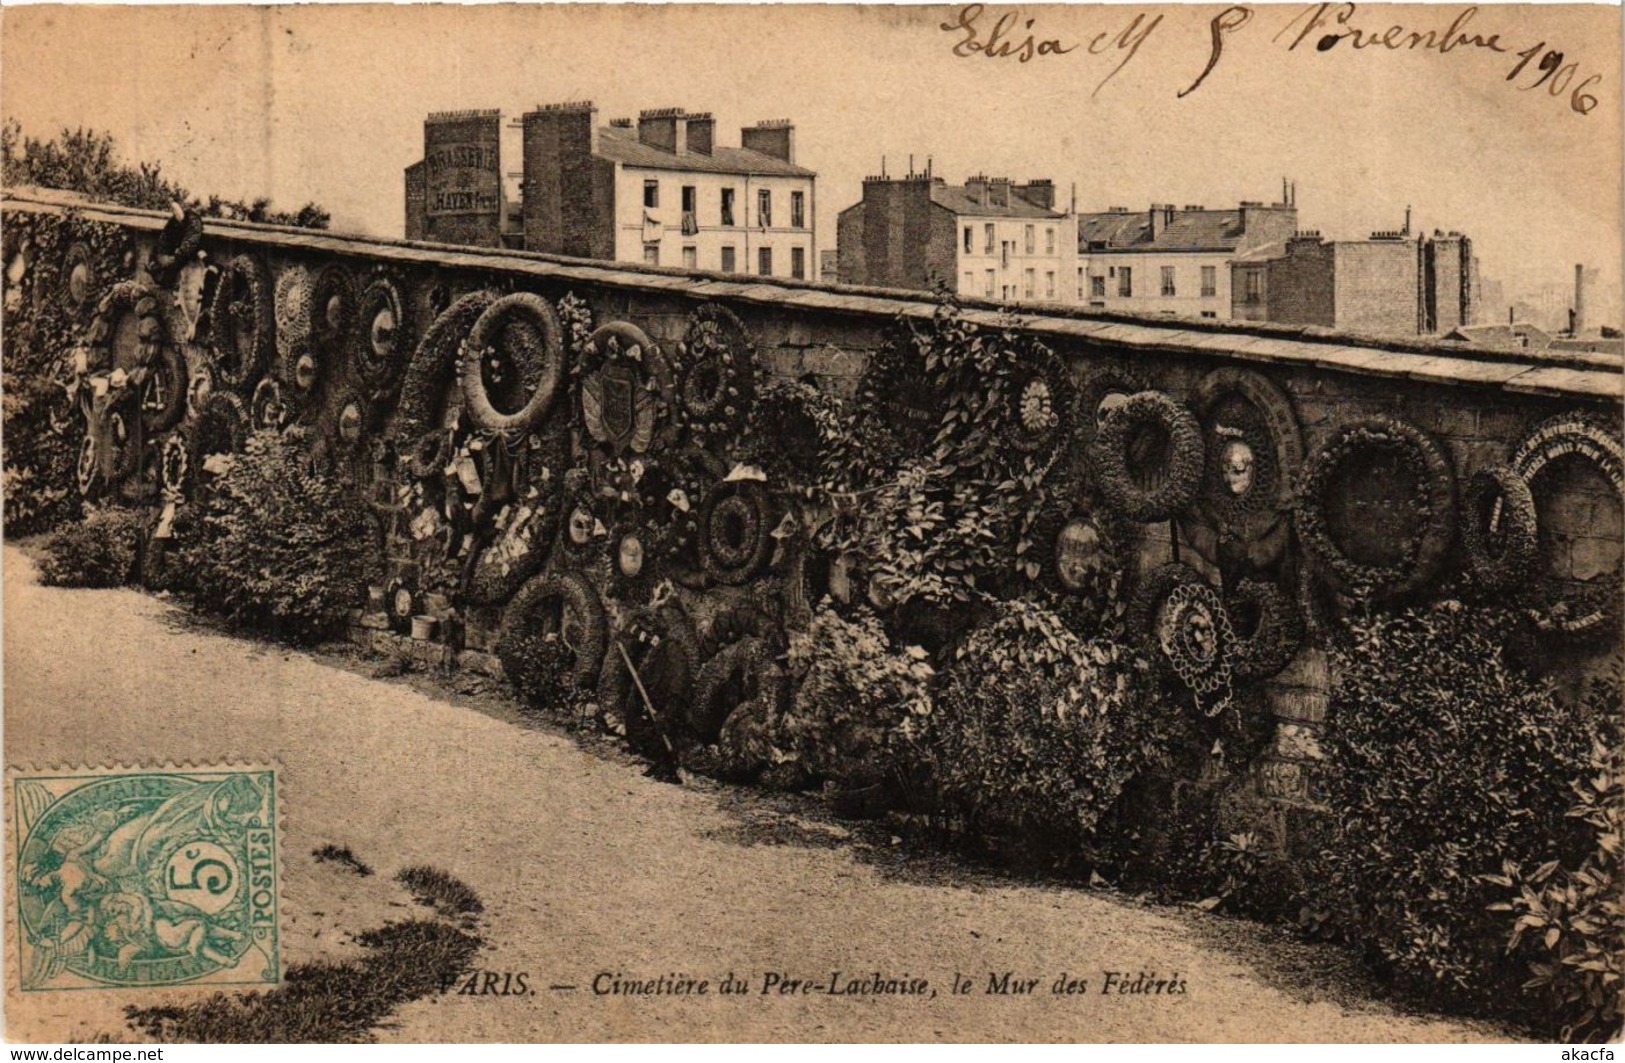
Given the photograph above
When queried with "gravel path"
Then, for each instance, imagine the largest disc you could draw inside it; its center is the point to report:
(586, 866)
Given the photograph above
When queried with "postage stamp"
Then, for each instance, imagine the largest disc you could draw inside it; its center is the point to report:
(145, 877)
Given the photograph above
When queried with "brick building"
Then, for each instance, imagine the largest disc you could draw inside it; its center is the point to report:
(988, 238)
(1172, 260)
(1394, 283)
(663, 191)
(660, 191)
(457, 193)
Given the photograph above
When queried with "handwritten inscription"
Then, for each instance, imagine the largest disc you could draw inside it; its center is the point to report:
(1010, 36)
(1314, 29)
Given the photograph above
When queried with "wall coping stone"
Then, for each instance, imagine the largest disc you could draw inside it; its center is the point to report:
(1583, 376)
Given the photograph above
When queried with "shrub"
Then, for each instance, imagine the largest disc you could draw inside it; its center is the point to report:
(1568, 917)
(856, 698)
(100, 551)
(278, 546)
(1443, 762)
(1036, 731)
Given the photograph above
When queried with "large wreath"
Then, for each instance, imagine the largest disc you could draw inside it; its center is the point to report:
(1272, 630)
(433, 369)
(797, 428)
(627, 392)
(899, 395)
(382, 335)
(1041, 403)
(295, 362)
(737, 674)
(1094, 397)
(1184, 627)
(717, 383)
(736, 532)
(1572, 607)
(513, 363)
(242, 323)
(1351, 533)
(1148, 457)
(1499, 535)
(333, 312)
(1254, 448)
(561, 609)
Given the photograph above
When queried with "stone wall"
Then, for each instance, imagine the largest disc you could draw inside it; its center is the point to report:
(1478, 406)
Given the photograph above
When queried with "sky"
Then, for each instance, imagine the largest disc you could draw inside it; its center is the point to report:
(326, 104)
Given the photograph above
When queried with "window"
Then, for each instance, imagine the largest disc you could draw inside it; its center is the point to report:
(987, 241)
(798, 210)
(764, 260)
(728, 259)
(1097, 287)
(987, 289)
(764, 208)
(1255, 286)
(728, 208)
(1125, 281)
(651, 254)
(970, 235)
(691, 217)
(1049, 284)
(1026, 284)
(798, 261)
(1004, 254)
(1049, 239)
(1210, 313)
(1210, 281)
(1168, 280)
(968, 285)
(691, 258)
(1080, 284)
(1027, 239)
(651, 193)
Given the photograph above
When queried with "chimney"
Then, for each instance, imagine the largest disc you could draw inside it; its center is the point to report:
(776, 138)
(976, 189)
(1040, 193)
(662, 128)
(998, 192)
(702, 133)
(1162, 216)
(1579, 299)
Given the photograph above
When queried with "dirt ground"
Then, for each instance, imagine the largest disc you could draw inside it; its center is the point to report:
(587, 867)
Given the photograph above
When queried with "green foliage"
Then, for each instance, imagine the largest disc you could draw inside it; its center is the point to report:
(1443, 763)
(1569, 917)
(100, 551)
(278, 546)
(1241, 875)
(857, 697)
(937, 523)
(87, 161)
(1037, 731)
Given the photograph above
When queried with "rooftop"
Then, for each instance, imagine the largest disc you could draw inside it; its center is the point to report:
(1187, 230)
(620, 144)
(960, 200)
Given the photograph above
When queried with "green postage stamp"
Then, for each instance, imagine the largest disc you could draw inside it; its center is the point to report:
(132, 878)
